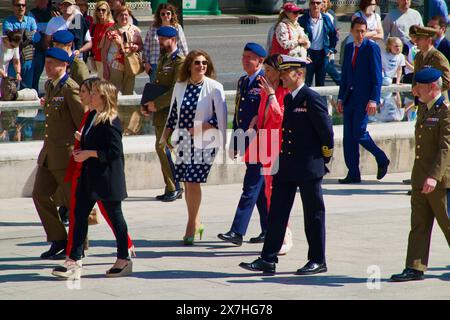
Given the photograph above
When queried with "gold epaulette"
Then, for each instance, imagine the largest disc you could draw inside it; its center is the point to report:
(327, 152)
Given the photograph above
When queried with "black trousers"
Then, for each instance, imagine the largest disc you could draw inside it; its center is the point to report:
(83, 207)
(283, 196)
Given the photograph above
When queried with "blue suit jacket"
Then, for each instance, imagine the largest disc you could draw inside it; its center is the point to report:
(444, 47)
(307, 128)
(362, 83)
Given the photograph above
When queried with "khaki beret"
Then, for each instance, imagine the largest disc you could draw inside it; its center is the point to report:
(419, 31)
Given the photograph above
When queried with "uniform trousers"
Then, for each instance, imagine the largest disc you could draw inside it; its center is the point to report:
(123, 82)
(283, 196)
(425, 209)
(45, 185)
(355, 134)
(83, 207)
(165, 159)
(253, 192)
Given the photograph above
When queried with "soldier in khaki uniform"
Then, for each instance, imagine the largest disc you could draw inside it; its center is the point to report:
(429, 56)
(77, 70)
(167, 72)
(431, 175)
(63, 115)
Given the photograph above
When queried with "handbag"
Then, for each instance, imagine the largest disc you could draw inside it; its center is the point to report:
(133, 63)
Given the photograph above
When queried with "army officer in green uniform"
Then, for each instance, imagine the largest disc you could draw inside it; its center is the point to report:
(430, 177)
(63, 115)
(429, 56)
(77, 70)
(167, 72)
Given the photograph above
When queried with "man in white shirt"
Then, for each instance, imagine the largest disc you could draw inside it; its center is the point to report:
(72, 20)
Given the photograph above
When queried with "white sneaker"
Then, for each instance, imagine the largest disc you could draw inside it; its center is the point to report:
(287, 243)
(69, 270)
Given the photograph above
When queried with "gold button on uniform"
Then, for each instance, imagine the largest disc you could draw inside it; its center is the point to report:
(420, 136)
(289, 142)
(421, 125)
(417, 157)
(418, 147)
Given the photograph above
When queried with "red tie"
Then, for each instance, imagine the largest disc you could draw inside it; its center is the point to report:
(354, 57)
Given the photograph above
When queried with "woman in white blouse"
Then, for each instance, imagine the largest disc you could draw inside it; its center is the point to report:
(197, 124)
(373, 19)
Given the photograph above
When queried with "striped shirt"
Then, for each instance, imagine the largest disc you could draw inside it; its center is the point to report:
(151, 45)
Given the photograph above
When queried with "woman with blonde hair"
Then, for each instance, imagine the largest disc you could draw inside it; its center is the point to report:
(121, 38)
(289, 38)
(102, 179)
(103, 20)
(165, 15)
(197, 124)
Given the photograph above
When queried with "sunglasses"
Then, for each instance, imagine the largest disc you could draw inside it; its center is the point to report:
(20, 5)
(162, 14)
(316, 3)
(101, 10)
(203, 62)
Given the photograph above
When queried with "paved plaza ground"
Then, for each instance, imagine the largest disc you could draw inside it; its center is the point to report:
(367, 229)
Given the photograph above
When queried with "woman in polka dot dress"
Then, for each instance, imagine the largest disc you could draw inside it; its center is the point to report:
(197, 125)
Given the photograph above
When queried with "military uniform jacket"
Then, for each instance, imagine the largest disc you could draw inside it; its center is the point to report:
(306, 132)
(246, 106)
(63, 115)
(434, 59)
(78, 70)
(167, 72)
(432, 156)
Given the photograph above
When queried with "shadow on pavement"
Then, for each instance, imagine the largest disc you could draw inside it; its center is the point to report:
(194, 254)
(344, 192)
(27, 277)
(364, 182)
(20, 224)
(130, 199)
(328, 281)
(181, 274)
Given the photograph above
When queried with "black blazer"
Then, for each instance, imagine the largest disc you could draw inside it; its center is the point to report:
(103, 178)
(444, 47)
(306, 129)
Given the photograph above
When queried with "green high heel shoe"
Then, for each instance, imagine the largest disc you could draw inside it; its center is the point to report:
(188, 241)
(200, 231)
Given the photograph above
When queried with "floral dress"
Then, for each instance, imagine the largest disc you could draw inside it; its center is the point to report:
(192, 164)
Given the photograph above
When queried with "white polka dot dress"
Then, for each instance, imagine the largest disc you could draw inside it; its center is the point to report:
(191, 164)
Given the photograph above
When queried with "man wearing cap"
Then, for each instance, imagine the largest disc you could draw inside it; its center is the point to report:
(307, 145)
(430, 177)
(441, 42)
(167, 72)
(19, 21)
(72, 20)
(359, 94)
(247, 104)
(63, 115)
(77, 70)
(429, 56)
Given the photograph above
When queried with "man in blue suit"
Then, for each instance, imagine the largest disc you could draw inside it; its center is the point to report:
(359, 94)
(306, 146)
(442, 44)
(247, 104)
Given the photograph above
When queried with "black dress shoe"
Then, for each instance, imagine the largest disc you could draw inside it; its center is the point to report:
(173, 195)
(312, 268)
(258, 239)
(232, 237)
(382, 170)
(407, 275)
(56, 249)
(348, 180)
(259, 265)
(64, 215)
